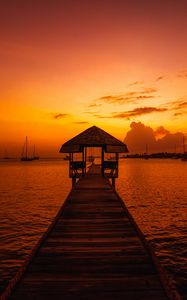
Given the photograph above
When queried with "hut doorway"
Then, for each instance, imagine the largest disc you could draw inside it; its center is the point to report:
(93, 159)
(93, 155)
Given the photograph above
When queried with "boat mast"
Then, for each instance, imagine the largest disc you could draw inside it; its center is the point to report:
(184, 150)
(146, 149)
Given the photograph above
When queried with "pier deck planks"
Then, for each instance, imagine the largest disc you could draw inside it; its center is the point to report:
(92, 252)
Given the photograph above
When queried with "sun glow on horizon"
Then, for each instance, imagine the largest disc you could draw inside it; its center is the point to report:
(60, 77)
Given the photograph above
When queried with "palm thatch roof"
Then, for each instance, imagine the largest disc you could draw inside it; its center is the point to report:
(94, 137)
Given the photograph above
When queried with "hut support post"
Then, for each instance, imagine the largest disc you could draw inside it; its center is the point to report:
(73, 181)
(83, 160)
(102, 161)
(117, 158)
(70, 160)
(114, 182)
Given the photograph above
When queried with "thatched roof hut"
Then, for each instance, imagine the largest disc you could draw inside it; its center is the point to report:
(94, 137)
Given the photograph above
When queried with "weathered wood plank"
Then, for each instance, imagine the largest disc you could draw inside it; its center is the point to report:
(102, 284)
(84, 294)
(76, 260)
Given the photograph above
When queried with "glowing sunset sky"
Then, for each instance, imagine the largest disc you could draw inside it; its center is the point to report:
(68, 65)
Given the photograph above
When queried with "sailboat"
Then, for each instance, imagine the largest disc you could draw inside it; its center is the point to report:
(24, 156)
(34, 154)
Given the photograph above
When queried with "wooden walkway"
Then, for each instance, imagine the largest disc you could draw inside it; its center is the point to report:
(93, 251)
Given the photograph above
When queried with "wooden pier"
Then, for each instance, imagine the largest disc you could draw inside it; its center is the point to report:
(93, 250)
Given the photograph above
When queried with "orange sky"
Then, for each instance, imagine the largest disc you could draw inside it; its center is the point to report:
(70, 64)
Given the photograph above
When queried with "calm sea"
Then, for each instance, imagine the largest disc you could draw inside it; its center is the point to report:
(155, 191)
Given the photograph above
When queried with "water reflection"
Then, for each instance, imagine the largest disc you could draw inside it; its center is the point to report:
(30, 196)
(155, 192)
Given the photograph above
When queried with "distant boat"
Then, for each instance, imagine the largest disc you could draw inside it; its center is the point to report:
(34, 154)
(24, 156)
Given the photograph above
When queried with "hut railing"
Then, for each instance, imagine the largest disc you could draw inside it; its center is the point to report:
(110, 169)
(76, 169)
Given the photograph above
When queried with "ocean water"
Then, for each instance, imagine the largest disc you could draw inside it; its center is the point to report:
(155, 191)
(31, 194)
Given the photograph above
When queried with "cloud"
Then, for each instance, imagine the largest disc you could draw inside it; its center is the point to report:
(102, 116)
(178, 114)
(177, 106)
(180, 108)
(59, 116)
(161, 131)
(144, 97)
(140, 137)
(160, 78)
(149, 90)
(138, 112)
(182, 74)
(81, 122)
(131, 113)
(129, 97)
(115, 99)
(135, 83)
(91, 112)
(94, 105)
(181, 105)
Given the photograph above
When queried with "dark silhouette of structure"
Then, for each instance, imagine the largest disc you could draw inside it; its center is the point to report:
(93, 137)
